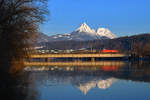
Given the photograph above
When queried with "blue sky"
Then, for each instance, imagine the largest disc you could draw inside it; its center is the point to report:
(122, 17)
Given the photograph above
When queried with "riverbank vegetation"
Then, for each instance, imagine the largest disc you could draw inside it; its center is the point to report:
(19, 21)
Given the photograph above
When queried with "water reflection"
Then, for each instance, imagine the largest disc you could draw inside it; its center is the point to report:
(82, 82)
(17, 87)
(90, 77)
(100, 83)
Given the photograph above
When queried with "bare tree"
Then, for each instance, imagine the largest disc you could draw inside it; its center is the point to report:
(19, 20)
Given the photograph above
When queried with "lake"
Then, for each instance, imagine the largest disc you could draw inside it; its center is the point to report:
(130, 81)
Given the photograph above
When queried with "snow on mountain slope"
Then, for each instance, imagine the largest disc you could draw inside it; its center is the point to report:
(105, 32)
(85, 28)
(84, 33)
(42, 37)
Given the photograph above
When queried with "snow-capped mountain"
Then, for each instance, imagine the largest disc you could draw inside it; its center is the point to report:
(106, 33)
(84, 33)
(85, 28)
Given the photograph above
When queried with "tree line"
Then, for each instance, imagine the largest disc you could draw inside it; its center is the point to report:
(137, 45)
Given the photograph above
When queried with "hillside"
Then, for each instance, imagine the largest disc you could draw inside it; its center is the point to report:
(122, 43)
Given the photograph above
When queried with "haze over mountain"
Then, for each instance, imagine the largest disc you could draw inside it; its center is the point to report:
(83, 33)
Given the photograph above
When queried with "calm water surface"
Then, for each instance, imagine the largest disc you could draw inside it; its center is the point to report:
(126, 82)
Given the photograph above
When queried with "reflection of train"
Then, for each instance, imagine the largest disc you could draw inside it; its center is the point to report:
(110, 51)
(110, 68)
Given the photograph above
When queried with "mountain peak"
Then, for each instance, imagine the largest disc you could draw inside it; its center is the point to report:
(105, 32)
(84, 24)
(85, 28)
(84, 33)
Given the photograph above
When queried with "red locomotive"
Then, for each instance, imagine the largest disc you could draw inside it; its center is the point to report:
(109, 51)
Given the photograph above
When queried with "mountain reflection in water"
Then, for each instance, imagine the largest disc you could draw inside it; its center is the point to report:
(100, 83)
(86, 78)
(112, 82)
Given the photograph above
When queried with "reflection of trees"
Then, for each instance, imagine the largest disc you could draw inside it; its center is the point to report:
(131, 71)
(84, 81)
(87, 79)
(18, 88)
(135, 71)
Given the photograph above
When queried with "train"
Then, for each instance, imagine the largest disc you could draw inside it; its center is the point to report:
(109, 51)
